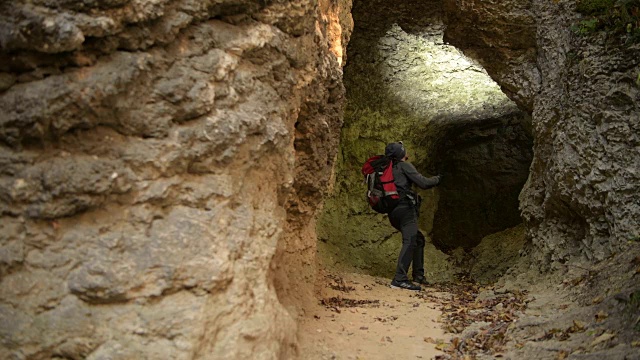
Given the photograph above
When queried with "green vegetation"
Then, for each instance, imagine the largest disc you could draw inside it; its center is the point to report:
(619, 17)
(634, 302)
(592, 7)
(585, 27)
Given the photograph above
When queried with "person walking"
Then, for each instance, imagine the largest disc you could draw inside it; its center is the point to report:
(404, 217)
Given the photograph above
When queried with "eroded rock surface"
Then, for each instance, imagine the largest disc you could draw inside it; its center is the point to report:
(485, 164)
(405, 83)
(152, 152)
(501, 36)
(583, 93)
(496, 254)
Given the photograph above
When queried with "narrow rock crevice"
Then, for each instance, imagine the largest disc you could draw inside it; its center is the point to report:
(149, 148)
(455, 120)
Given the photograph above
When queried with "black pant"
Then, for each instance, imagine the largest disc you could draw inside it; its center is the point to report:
(405, 219)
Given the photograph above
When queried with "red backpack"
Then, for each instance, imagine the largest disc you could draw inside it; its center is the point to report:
(382, 194)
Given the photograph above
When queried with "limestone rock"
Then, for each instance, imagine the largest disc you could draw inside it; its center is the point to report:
(152, 153)
(501, 35)
(496, 253)
(581, 198)
(405, 83)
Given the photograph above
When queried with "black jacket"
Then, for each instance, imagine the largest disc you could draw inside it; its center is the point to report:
(405, 174)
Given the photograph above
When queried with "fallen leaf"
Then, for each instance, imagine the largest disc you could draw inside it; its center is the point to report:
(602, 338)
(578, 326)
(441, 346)
(597, 300)
(364, 328)
(635, 343)
(601, 316)
(429, 340)
(562, 355)
(577, 281)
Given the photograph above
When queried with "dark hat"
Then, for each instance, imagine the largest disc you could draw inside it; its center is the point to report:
(395, 150)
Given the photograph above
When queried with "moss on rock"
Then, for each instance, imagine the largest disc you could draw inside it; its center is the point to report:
(403, 83)
(496, 253)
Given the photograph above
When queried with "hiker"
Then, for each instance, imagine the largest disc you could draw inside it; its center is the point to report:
(404, 217)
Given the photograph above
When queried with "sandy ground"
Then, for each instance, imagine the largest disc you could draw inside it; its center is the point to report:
(361, 317)
(579, 312)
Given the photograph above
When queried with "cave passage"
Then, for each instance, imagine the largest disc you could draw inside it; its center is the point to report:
(404, 83)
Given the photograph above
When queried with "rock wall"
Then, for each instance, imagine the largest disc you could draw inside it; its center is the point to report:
(501, 36)
(155, 156)
(581, 199)
(404, 83)
(485, 164)
(316, 146)
(495, 255)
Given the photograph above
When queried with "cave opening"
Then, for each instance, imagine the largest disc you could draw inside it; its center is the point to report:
(405, 83)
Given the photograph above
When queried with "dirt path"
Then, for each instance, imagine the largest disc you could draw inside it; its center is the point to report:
(577, 313)
(361, 317)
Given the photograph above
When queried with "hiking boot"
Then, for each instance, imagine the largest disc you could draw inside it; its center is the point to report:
(421, 280)
(407, 285)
